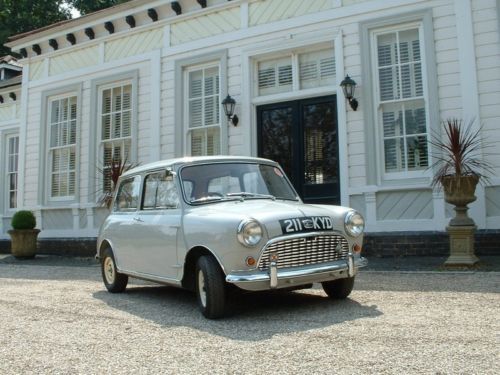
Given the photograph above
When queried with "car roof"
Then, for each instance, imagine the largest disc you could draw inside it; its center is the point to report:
(178, 162)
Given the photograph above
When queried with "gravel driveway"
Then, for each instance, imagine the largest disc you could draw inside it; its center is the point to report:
(59, 319)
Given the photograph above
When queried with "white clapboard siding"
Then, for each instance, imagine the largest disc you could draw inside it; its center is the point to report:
(225, 21)
(487, 41)
(74, 60)
(135, 44)
(32, 147)
(446, 47)
(263, 12)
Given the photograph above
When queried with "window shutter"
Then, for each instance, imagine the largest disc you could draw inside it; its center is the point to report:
(317, 68)
(275, 76)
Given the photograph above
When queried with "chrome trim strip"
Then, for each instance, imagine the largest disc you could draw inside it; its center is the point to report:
(256, 276)
(146, 276)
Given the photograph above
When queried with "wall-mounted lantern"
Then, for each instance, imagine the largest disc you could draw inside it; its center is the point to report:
(349, 86)
(229, 105)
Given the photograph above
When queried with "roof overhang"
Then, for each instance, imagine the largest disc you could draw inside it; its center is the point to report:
(19, 41)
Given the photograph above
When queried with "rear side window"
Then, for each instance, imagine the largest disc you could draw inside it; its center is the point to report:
(127, 198)
(160, 192)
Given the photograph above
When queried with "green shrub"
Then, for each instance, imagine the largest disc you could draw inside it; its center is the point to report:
(23, 220)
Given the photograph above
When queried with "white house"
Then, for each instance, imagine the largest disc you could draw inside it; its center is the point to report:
(144, 81)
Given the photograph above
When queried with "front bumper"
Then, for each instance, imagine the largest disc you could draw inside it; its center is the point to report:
(288, 277)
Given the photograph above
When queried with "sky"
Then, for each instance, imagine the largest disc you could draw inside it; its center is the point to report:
(74, 13)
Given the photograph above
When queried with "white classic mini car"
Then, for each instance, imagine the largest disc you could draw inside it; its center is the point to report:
(206, 223)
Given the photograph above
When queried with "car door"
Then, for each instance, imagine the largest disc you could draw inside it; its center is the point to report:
(159, 220)
(122, 222)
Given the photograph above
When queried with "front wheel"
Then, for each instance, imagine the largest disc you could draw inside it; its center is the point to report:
(114, 281)
(210, 288)
(338, 289)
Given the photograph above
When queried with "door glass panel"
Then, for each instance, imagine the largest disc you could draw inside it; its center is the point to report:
(320, 144)
(277, 137)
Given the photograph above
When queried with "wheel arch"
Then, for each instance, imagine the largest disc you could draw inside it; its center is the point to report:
(188, 278)
(105, 244)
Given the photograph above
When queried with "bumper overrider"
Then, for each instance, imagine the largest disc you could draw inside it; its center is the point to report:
(276, 277)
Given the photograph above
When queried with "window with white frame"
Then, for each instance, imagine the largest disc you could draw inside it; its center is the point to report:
(12, 158)
(115, 115)
(203, 110)
(62, 147)
(296, 71)
(400, 99)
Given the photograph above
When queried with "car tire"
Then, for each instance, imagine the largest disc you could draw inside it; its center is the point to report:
(114, 281)
(210, 288)
(338, 289)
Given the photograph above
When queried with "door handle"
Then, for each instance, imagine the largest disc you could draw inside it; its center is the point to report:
(138, 219)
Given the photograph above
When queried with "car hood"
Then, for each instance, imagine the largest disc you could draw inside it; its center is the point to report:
(269, 212)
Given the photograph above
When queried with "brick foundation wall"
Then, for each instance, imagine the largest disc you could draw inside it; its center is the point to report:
(487, 242)
(390, 244)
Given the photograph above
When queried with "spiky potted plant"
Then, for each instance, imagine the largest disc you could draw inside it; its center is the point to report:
(113, 170)
(459, 167)
(23, 235)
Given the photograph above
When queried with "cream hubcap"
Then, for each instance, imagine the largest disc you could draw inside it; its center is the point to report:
(202, 292)
(109, 270)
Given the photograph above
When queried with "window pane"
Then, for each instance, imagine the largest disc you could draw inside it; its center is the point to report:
(128, 195)
(167, 196)
(195, 113)
(195, 87)
(213, 141)
(320, 135)
(394, 155)
(415, 117)
(392, 120)
(106, 101)
(150, 192)
(417, 153)
(197, 142)
(387, 49)
(389, 83)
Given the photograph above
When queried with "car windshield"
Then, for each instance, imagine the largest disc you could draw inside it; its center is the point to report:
(208, 183)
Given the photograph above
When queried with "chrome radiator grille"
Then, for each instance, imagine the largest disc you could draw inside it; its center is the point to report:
(304, 251)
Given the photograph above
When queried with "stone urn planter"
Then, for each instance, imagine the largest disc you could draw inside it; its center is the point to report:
(458, 169)
(23, 235)
(459, 191)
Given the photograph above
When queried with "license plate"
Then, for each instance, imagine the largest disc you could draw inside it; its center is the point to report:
(306, 224)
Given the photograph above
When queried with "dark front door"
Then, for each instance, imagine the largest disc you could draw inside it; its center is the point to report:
(302, 135)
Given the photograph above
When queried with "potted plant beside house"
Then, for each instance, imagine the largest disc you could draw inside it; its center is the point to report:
(458, 169)
(113, 170)
(23, 235)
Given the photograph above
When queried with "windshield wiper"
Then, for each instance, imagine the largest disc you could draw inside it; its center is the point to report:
(244, 194)
(206, 199)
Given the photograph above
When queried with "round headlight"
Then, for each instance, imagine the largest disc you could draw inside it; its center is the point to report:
(249, 232)
(354, 223)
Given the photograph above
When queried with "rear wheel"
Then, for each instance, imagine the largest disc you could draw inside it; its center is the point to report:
(210, 288)
(114, 281)
(338, 289)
